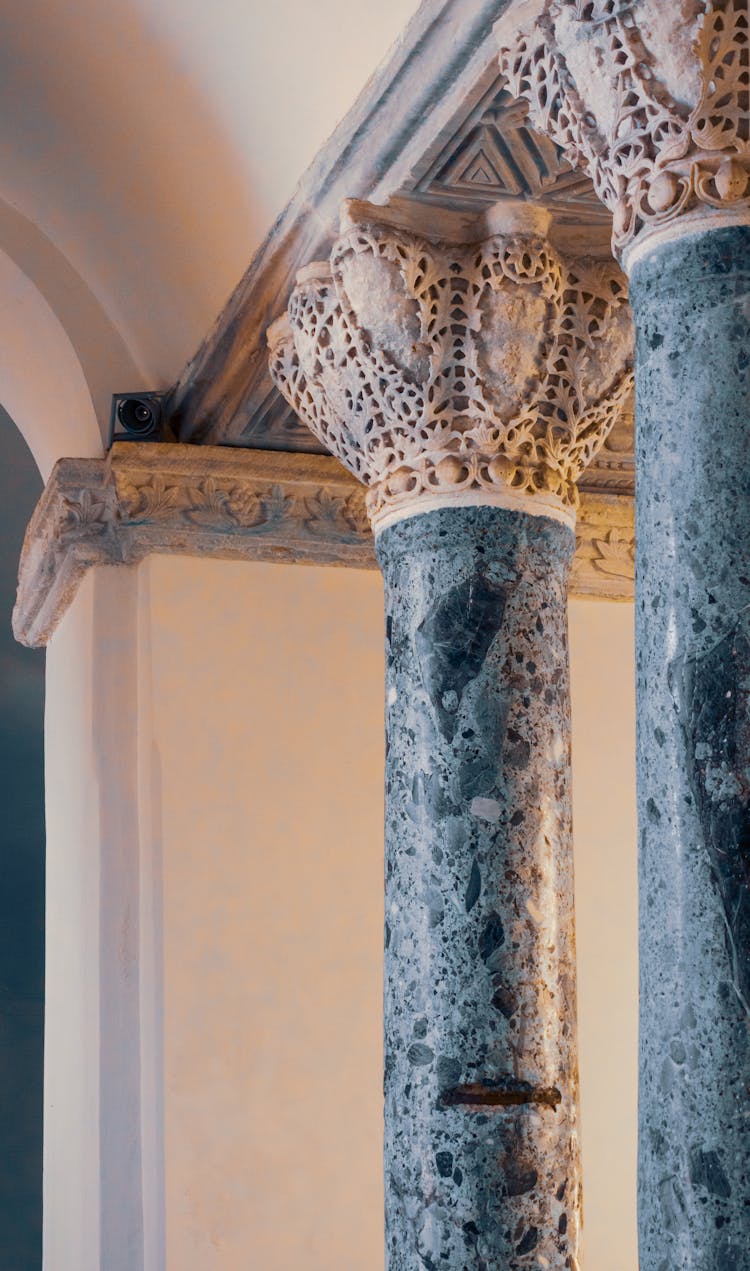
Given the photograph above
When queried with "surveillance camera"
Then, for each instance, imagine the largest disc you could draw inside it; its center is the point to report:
(137, 417)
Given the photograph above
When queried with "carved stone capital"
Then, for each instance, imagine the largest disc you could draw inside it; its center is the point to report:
(233, 504)
(466, 370)
(650, 97)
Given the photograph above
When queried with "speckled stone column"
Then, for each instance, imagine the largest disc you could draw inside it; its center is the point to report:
(653, 99)
(481, 1149)
(691, 300)
(467, 384)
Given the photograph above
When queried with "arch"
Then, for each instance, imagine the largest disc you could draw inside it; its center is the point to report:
(105, 358)
(42, 384)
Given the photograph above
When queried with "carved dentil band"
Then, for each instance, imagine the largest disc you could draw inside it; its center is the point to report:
(443, 373)
(650, 97)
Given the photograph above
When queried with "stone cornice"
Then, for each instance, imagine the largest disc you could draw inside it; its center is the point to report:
(237, 504)
(648, 97)
(189, 500)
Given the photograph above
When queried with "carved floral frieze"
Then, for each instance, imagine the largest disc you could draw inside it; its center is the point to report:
(240, 505)
(203, 501)
(604, 563)
(437, 369)
(650, 98)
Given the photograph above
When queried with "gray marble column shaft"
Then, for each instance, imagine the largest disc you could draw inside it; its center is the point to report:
(481, 1149)
(691, 300)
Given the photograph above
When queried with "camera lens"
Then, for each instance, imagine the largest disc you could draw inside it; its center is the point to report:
(136, 415)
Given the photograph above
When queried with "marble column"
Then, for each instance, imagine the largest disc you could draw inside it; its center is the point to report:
(467, 384)
(653, 100)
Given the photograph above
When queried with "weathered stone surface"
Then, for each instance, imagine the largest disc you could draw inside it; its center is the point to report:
(481, 1151)
(692, 307)
(240, 505)
(188, 500)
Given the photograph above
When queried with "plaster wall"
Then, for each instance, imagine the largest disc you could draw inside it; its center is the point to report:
(146, 147)
(246, 863)
(103, 1169)
(605, 835)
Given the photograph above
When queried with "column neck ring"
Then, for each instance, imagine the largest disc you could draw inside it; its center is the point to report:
(541, 504)
(703, 221)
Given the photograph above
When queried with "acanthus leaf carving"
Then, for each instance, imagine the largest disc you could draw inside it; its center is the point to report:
(615, 555)
(149, 499)
(220, 505)
(334, 516)
(208, 503)
(85, 514)
(277, 505)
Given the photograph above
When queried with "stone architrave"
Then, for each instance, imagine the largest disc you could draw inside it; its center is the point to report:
(653, 99)
(467, 384)
(233, 504)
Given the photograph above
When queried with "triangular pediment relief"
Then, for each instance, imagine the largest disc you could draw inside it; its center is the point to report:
(481, 162)
(480, 172)
(491, 153)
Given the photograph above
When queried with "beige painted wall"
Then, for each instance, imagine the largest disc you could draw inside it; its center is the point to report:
(272, 821)
(603, 689)
(268, 724)
(215, 748)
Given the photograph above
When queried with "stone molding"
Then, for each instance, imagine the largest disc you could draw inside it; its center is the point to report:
(190, 500)
(456, 369)
(650, 98)
(492, 153)
(236, 504)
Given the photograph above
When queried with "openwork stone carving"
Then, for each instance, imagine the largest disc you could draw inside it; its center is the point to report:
(649, 97)
(442, 372)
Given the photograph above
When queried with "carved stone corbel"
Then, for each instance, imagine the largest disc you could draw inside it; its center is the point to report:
(187, 500)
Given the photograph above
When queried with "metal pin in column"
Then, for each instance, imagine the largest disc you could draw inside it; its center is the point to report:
(468, 385)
